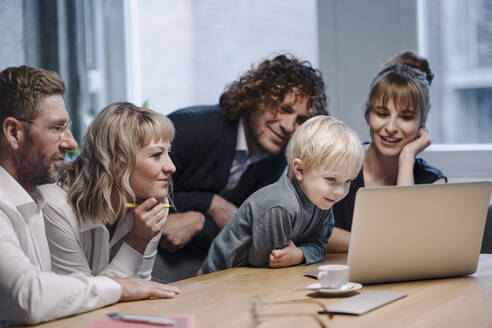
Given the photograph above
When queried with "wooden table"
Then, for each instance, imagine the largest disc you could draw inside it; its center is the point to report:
(223, 299)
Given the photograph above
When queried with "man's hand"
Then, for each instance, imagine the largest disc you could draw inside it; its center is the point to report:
(221, 210)
(148, 220)
(287, 256)
(139, 289)
(180, 228)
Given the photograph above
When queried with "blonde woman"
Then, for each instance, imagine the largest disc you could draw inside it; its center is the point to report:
(89, 227)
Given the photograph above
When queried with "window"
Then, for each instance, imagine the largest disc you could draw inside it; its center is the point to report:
(190, 50)
(461, 55)
(456, 36)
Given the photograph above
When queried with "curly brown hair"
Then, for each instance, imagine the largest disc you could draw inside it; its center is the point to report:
(270, 82)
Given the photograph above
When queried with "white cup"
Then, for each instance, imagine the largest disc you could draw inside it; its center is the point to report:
(333, 276)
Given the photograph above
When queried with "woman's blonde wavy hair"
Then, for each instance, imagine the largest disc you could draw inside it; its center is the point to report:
(98, 181)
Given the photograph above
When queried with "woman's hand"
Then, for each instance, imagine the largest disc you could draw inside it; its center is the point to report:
(148, 221)
(415, 147)
(407, 157)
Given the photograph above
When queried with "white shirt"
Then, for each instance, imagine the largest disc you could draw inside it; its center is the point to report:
(29, 292)
(241, 160)
(81, 246)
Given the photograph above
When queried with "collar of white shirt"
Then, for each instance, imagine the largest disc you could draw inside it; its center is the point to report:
(242, 145)
(26, 204)
(31, 232)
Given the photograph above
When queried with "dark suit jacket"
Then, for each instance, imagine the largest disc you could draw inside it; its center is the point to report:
(202, 151)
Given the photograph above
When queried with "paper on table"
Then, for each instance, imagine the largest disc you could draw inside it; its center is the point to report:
(182, 321)
(365, 302)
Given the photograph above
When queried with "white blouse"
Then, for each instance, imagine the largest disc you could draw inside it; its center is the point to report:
(80, 246)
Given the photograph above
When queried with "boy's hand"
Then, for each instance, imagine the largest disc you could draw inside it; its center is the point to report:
(287, 256)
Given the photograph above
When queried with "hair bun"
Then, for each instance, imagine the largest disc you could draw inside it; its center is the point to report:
(410, 58)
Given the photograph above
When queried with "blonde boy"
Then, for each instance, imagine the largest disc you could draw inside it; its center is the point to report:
(290, 221)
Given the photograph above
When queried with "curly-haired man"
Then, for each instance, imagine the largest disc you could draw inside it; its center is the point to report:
(223, 153)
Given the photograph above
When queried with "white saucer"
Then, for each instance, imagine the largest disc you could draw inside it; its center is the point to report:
(349, 287)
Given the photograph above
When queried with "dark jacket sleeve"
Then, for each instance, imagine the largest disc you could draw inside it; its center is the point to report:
(201, 155)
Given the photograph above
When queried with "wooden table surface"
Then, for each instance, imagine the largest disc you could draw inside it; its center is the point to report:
(222, 299)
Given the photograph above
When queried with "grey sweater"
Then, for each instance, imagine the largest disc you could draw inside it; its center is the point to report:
(265, 221)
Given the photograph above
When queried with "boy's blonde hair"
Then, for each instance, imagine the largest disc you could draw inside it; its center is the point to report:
(323, 142)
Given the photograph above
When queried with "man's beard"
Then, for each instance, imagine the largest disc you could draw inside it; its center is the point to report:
(256, 131)
(34, 166)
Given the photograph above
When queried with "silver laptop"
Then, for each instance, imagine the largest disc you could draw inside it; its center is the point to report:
(417, 232)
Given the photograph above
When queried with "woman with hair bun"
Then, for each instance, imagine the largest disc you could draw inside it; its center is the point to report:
(396, 112)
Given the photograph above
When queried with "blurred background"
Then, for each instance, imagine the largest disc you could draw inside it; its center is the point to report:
(167, 54)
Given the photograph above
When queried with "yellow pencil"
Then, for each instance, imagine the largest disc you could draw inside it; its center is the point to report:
(133, 205)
